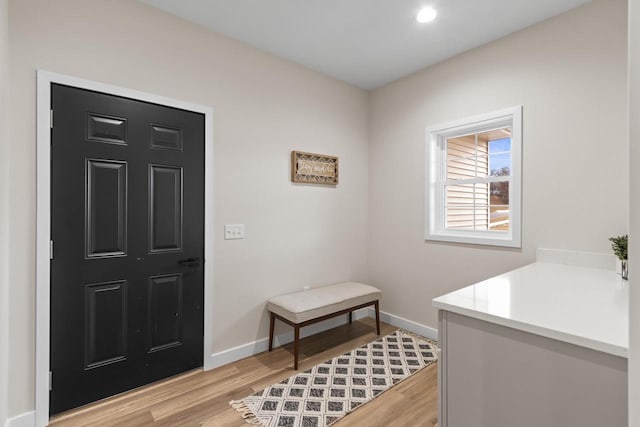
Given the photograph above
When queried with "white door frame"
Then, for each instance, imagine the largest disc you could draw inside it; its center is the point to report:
(43, 219)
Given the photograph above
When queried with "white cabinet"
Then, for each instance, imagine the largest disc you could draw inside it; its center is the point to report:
(496, 376)
(544, 345)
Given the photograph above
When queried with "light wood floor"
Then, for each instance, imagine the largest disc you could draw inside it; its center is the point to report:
(201, 398)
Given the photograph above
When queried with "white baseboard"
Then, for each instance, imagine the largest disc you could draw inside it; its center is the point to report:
(259, 346)
(28, 419)
(246, 350)
(408, 325)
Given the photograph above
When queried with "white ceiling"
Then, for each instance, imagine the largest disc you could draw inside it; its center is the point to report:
(367, 43)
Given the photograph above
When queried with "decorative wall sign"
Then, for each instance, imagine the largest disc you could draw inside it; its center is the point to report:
(314, 168)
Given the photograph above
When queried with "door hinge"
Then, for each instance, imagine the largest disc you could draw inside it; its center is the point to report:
(51, 119)
(50, 381)
(50, 249)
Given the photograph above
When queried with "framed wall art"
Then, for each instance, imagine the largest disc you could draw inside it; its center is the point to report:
(313, 168)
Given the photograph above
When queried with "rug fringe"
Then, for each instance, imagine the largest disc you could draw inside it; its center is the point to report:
(248, 415)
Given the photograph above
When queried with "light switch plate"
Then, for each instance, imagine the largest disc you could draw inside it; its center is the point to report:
(233, 231)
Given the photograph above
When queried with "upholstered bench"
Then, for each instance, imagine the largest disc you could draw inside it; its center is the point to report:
(315, 305)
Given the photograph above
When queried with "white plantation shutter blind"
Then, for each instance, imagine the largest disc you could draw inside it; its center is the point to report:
(467, 204)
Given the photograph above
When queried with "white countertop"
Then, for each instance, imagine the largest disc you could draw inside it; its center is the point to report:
(582, 306)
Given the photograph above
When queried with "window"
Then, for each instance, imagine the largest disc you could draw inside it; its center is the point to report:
(473, 180)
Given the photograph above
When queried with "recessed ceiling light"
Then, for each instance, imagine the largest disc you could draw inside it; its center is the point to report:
(426, 14)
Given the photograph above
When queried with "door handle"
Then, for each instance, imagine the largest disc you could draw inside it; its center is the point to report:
(190, 262)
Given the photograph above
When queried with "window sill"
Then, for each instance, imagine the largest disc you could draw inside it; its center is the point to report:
(507, 241)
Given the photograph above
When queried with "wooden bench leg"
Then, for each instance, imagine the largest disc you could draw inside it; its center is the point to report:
(350, 316)
(273, 320)
(378, 317)
(296, 346)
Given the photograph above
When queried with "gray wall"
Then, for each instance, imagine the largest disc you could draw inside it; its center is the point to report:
(634, 216)
(570, 73)
(264, 107)
(572, 66)
(4, 208)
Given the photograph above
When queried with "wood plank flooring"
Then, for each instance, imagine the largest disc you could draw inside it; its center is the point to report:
(200, 398)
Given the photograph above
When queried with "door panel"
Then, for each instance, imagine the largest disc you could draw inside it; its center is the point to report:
(165, 208)
(101, 128)
(106, 208)
(165, 311)
(127, 291)
(105, 323)
(163, 137)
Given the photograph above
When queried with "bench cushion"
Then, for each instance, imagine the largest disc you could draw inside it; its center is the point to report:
(317, 302)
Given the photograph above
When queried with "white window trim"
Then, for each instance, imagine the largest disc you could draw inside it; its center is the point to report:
(434, 201)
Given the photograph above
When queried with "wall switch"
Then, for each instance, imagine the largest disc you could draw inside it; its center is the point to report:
(233, 231)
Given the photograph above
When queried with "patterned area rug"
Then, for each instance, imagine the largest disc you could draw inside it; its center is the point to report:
(322, 395)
